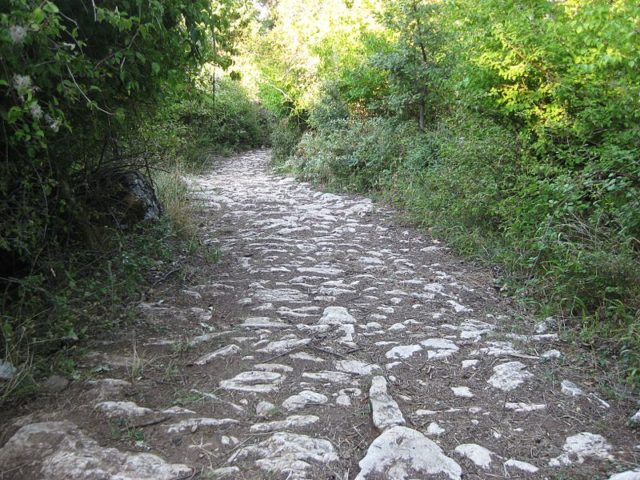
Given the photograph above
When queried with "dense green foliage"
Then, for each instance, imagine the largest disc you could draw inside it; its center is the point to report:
(90, 90)
(511, 128)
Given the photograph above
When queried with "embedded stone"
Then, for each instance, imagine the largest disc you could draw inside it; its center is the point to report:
(578, 448)
(478, 454)
(384, 409)
(400, 453)
(304, 398)
(64, 452)
(294, 421)
(288, 454)
(509, 376)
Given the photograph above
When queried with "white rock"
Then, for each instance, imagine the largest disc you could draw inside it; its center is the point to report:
(509, 376)
(294, 421)
(283, 346)
(571, 389)
(264, 409)
(547, 324)
(288, 454)
(384, 409)
(224, 472)
(328, 376)
(228, 441)
(628, 475)
(263, 322)
(439, 348)
(579, 447)
(305, 356)
(551, 354)
(499, 349)
(397, 327)
(194, 423)
(469, 363)
(400, 453)
(175, 410)
(524, 407)
(463, 392)
(221, 352)
(205, 338)
(403, 351)
(304, 398)
(7, 370)
(64, 452)
(284, 295)
(273, 367)
(253, 381)
(336, 316)
(122, 409)
(524, 466)
(357, 367)
(478, 454)
(435, 429)
(320, 270)
(635, 419)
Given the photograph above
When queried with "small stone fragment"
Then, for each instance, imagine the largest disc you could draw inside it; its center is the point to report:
(524, 407)
(357, 367)
(7, 370)
(221, 352)
(224, 472)
(264, 409)
(304, 398)
(294, 421)
(571, 389)
(122, 409)
(403, 351)
(463, 392)
(328, 376)
(384, 409)
(194, 423)
(478, 454)
(55, 384)
(509, 376)
(253, 381)
(435, 429)
(579, 447)
(524, 466)
(336, 316)
(551, 354)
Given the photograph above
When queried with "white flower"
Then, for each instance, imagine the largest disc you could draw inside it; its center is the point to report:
(22, 83)
(36, 110)
(54, 124)
(17, 34)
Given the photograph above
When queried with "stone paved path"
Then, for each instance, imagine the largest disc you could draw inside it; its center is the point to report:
(328, 343)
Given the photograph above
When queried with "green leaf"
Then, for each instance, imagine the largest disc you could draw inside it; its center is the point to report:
(14, 114)
(155, 68)
(38, 15)
(50, 7)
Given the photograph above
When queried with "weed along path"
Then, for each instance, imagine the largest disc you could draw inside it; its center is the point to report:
(328, 343)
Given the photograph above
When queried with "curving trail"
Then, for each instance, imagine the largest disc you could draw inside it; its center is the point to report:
(328, 343)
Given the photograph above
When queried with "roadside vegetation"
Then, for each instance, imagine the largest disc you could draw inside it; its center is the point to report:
(512, 129)
(90, 91)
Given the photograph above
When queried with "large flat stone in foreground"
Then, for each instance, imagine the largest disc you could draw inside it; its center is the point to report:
(401, 453)
(61, 451)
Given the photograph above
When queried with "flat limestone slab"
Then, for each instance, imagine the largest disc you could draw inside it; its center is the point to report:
(401, 453)
(64, 452)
